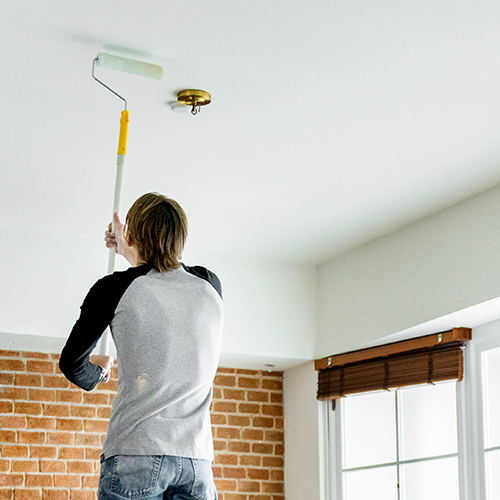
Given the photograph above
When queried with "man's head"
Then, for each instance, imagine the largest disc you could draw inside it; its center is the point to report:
(157, 226)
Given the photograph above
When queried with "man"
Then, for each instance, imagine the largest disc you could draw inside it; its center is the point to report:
(166, 323)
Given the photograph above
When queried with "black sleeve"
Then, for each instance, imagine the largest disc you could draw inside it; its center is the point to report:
(96, 314)
(207, 275)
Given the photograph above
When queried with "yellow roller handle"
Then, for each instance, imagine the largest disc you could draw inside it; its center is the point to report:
(122, 141)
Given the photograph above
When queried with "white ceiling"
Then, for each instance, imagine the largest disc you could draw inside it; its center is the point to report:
(332, 122)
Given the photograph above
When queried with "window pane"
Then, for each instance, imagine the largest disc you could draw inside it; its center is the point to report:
(428, 421)
(491, 385)
(493, 475)
(374, 484)
(369, 429)
(431, 480)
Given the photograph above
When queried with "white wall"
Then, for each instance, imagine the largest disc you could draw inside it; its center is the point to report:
(270, 307)
(302, 439)
(429, 269)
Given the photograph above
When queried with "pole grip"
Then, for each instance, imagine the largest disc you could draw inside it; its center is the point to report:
(122, 141)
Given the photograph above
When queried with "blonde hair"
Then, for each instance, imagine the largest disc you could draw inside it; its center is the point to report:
(158, 227)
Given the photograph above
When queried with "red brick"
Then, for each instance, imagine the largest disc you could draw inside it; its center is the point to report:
(261, 474)
(6, 407)
(262, 448)
(228, 433)
(263, 497)
(4, 465)
(274, 410)
(60, 438)
(275, 436)
(224, 459)
(277, 475)
(216, 393)
(27, 494)
(85, 411)
(95, 425)
(95, 399)
(25, 466)
(222, 369)
(12, 365)
(67, 481)
(14, 393)
(272, 487)
(235, 496)
(249, 408)
(56, 410)
(6, 494)
(69, 424)
(236, 420)
(219, 419)
(31, 437)
(102, 412)
(38, 355)
(38, 366)
(279, 423)
(234, 472)
(7, 436)
(53, 466)
(248, 486)
(28, 380)
(224, 407)
(14, 450)
(272, 462)
(91, 481)
(71, 453)
(86, 439)
(239, 446)
(259, 396)
(55, 495)
(246, 372)
(11, 479)
(276, 397)
(25, 408)
(43, 451)
(69, 396)
(55, 381)
(6, 353)
(225, 485)
(225, 381)
(237, 394)
(6, 379)
(38, 480)
(254, 460)
(252, 434)
(279, 449)
(263, 422)
(219, 445)
(42, 395)
(93, 453)
(41, 423)
(80, 467)
(272, 384)
(83, 495)
(249, 383)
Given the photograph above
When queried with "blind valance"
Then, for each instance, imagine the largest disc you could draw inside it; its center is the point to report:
(428, 359)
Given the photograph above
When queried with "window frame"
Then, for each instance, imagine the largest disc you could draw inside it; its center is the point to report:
(470, 425)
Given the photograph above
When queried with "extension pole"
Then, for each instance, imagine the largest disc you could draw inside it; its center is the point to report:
(120, 163)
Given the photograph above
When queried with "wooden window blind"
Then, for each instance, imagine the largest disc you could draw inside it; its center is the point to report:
(428, 359)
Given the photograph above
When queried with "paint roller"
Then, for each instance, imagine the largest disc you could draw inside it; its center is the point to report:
(133, 67)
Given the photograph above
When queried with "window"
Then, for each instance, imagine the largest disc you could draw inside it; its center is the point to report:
(429, 441)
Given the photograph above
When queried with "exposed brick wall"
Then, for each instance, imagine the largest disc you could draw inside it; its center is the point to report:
(51, 432)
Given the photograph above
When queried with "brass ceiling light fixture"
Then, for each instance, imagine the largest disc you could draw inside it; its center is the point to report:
(194, 98)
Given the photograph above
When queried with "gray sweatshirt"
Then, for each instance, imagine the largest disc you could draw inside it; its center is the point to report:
(167, 331)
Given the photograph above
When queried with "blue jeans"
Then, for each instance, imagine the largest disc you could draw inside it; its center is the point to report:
(156, 477)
